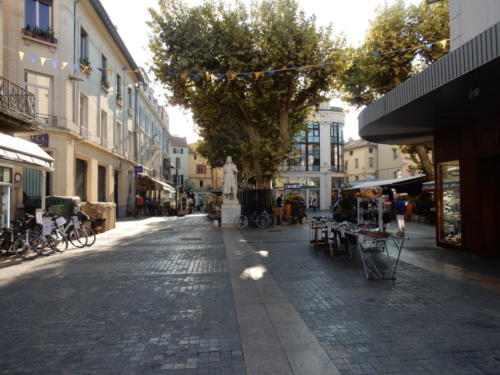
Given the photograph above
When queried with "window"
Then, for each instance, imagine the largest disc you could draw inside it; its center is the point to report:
(40, 86)
(5, 174)
(182, 150)
(182, 179)
(370, 150)
(356, 178)
(174, 150)
(450, 220)
(395, 174)
(118, 87)
(394, 153)
(336, 147)
(177, 162)
(346, 164)
(101, 183)
(84, 47)
(370, 162)
(201, 169)
(356, 163)
(305, 155)
(130, 146)
(195, 156)
(129, 95)
(350, 153)
(104, 128)
(118, 136)
(201, 183)
(84, 105)
(104, 67)
(38, 14)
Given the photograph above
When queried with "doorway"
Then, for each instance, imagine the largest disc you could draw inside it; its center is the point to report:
(5, 201)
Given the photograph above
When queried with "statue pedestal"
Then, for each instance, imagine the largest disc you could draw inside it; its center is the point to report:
(230, 210)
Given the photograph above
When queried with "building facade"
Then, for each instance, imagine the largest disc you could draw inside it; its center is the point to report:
(179, 156)
(203, 179)
(454, 104)
(315, 167)
(87, 88)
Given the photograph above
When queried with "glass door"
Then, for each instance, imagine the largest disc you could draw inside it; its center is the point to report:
(450, 228)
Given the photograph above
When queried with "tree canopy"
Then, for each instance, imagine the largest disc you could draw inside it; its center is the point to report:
(401, 41)
(251, 117)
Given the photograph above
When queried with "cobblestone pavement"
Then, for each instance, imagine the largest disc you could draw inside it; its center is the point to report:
(153, 297)
(424, 324)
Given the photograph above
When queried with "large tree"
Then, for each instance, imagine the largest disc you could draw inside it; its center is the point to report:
(401, 41)
(252, 116)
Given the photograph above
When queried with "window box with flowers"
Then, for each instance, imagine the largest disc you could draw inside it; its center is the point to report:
(37, 33)
(119, 99)
(85, 66)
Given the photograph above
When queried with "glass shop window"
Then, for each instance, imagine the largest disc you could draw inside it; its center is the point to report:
(450, 219)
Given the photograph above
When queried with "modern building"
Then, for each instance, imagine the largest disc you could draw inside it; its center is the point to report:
(179, 156)
(454, 103)
(368, 160)
(203, 179)
(87, 89)
(315, 167)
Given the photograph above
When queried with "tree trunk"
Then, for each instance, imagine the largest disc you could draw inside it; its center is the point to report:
(425, 162)
(284, 135)
(262, 182)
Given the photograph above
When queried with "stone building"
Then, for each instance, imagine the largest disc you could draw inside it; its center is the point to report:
(86, 86)
(179, 156)
(315, 167)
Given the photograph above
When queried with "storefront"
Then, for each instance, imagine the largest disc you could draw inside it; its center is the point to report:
(309, 188)
(19, 161)
(453, 104)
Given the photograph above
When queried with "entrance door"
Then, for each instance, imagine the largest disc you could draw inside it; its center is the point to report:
(489, 172)
(116, 187)
(5, 194)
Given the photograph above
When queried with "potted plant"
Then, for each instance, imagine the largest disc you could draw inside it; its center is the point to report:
(105, 83)
(119, 98)
(85, 66)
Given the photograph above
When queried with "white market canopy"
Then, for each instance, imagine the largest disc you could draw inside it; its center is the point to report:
(373, 183)
(165, 186)
(25, 152)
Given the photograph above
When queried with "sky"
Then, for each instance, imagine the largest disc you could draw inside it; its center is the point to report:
(350, 17)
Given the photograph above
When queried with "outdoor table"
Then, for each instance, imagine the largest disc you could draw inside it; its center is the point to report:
(378, 244)
(317, 231)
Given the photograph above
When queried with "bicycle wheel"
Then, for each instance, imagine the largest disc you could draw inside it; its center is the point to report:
(26, 248)
(262, 221)
(242, 221)
(90, 233)
(57, 241)
(78, 238)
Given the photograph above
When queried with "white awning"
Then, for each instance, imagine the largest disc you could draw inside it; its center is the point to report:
(373, 183)
(25, 152)
(165, 185)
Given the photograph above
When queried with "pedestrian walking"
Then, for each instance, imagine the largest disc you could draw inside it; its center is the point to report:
(139, 204)
(279, 201)
(400, 207)
(313, 205)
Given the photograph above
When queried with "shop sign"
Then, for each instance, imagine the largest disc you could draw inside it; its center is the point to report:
(18, 178)
(138, 169)
(293, 186)
(41, 140)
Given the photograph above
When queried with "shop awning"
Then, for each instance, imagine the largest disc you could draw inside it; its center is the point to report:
(164, 185)
(25, 152)
(393, 181)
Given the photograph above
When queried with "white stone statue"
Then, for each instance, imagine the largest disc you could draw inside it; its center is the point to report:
(230, 180)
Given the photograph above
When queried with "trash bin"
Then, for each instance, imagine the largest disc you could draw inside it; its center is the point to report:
(62, 206)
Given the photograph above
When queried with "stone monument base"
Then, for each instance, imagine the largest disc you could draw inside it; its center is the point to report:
(229, 212)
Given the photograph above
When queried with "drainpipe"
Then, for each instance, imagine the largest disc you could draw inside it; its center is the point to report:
(75, 83)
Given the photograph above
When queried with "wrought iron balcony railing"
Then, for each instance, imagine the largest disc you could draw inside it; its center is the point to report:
(44, 119)
(16, 101)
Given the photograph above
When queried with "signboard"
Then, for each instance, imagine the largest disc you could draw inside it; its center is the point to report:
(293, 186)
(18, 178)
(138, 169)
(41, 140)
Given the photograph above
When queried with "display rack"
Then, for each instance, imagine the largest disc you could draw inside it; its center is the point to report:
(370, 211)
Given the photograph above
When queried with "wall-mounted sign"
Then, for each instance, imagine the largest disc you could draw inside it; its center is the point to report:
(138, 169)
(293, 186)
(18, 178)
(41, 140)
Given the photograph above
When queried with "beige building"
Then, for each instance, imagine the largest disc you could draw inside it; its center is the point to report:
(202, 177)
(86, 86)
(367, 160)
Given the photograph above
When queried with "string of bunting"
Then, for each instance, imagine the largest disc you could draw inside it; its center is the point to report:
(86, 68)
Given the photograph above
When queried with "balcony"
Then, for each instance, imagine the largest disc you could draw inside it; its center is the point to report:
(17, 108)
(47, 120)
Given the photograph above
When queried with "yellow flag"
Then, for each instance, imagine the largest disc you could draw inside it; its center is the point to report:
(284, 67)
(110, 70)
(257, 75)
(233, 76)
(443, 43)
(184, 76)
(208, 76)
